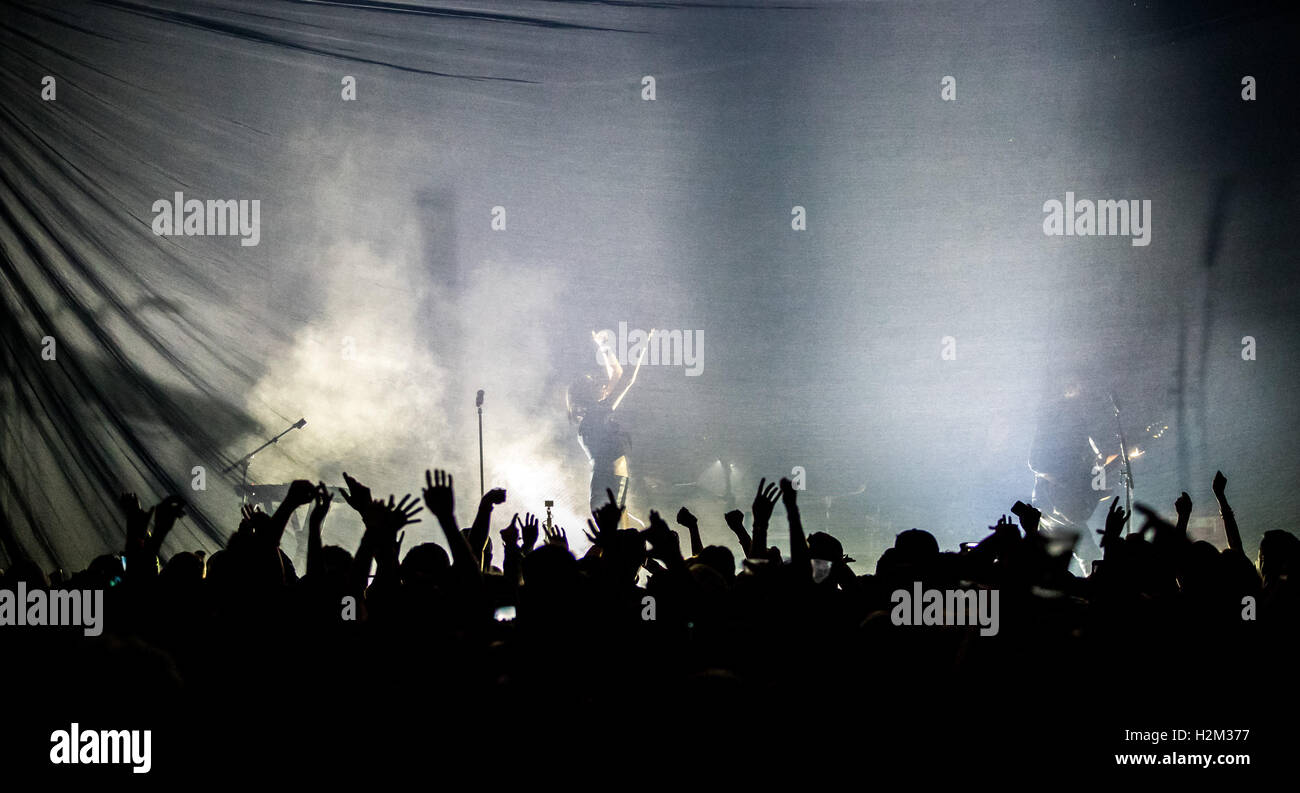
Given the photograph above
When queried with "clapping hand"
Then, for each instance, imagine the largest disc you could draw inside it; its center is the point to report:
(322, 499)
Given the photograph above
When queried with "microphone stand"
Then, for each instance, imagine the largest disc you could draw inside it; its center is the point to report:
(1126, 469)
(248, 458)
(479, 404)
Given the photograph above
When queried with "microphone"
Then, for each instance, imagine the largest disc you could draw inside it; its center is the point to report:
(478, 402)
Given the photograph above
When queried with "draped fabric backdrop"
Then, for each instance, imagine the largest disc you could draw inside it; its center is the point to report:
(379, 297)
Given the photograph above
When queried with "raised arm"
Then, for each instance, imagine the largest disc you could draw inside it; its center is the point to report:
(137, 532)
(357, 496)
(478, 532)
(300, 492)
(665, 546)
(798, 543)
(440, 498)
(1116, 517)
(1183, 506)
(608, 362)
(383, 522)
(685, 518)
(142, 546)
(512, 567)
(736, 522)
(613, 386)
(764, 501)
(168, 511)
(321, 507)
(1225, 511)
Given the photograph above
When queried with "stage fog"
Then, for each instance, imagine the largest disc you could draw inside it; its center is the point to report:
(844, 213)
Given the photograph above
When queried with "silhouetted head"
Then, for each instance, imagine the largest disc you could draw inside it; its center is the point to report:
(106, 570)
(582, 396)
(627, 554)
(887, 562)
(183, 568)
(550, 568)
(710, 587)
(218, 566)
(1279, 552)
(823, 546)
(1200, 567)
(915, 546)
(721, 559)
(336, 561)
(426, 563)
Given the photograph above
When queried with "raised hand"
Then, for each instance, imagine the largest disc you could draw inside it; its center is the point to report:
(441, 501)
(396, 515)
(246, 513)
(556, 536)
(357, 495)
(788, 493)
(300, 492)
(608, 515)
(322, 498)
(1005, 530)
(764, 501)
(439, 496)
(510, 534)
(531, 531)
(479, 539)
(166, 513)
(1029, 517)
(381, 539)
(1183, 506)
(511, 565)
(1230, 527)
(137, 519)
(685, 518)
(606, 520)
(493, 497)
(799, 554)
(1116, 517)
(384, 519)
(736, 522)
(142, 546)
(664, 542)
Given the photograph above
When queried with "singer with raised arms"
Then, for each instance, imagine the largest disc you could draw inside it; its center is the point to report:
(592, 402)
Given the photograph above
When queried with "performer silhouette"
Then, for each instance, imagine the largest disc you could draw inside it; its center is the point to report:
(591, 403)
